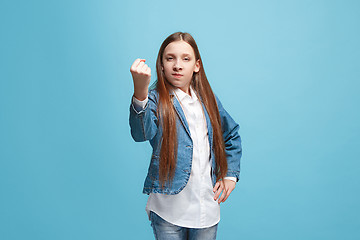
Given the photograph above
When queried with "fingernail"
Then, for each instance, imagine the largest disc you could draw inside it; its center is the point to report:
(142, 60)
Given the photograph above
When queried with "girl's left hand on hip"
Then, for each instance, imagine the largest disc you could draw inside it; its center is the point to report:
(226, 186)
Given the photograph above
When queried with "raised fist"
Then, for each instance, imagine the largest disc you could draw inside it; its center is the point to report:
(141, 74)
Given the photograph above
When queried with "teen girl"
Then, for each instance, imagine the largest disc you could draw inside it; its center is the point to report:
(196, 145)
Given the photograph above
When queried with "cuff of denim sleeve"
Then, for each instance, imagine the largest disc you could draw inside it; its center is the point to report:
(139, 105)
(231, 178)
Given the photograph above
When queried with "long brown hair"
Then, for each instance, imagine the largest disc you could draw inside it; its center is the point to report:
(166, 111)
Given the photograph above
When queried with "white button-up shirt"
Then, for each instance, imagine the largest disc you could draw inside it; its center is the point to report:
(194, 206)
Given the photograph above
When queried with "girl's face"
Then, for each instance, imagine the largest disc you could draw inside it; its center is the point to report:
(179, 64)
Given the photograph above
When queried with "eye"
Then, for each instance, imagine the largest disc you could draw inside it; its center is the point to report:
(169, 58)
(186, 59)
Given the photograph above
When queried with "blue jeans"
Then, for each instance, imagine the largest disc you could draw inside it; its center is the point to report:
(164, 230)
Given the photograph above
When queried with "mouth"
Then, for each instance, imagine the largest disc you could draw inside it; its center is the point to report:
(177, 75)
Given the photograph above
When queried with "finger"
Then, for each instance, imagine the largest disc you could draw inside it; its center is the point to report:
(217, 193)
(223, 192)
(137, 61)
(216, 186)
(141, 64)
(146, 71)
(138, 64)
(227, 195)
(135, 64)
(220, 188)
(144, 68)
(223, 195)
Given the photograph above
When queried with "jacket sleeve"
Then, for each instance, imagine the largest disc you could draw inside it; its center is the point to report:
(144, 122)
(232, 139)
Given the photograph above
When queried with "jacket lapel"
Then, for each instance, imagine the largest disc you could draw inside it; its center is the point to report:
(181, 114)
(183, 120)
(208, 124)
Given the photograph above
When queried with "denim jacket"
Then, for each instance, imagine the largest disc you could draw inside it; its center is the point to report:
(145, 126)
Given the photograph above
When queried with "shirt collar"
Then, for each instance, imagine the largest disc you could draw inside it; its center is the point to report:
(182, 95)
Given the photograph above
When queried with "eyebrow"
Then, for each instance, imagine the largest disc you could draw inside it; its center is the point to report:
(172, 54)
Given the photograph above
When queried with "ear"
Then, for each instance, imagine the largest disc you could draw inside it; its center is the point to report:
(197, 66)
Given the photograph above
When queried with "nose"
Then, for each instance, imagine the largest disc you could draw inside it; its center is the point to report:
(177, 65)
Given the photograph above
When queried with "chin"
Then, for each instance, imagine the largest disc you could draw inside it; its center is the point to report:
(175, 84)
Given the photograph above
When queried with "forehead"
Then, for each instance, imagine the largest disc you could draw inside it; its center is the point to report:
(179, 48)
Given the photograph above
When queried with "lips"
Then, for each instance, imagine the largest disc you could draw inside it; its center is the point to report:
(177, 75)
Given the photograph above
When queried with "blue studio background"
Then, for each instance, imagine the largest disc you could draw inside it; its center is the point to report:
(287, 71)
